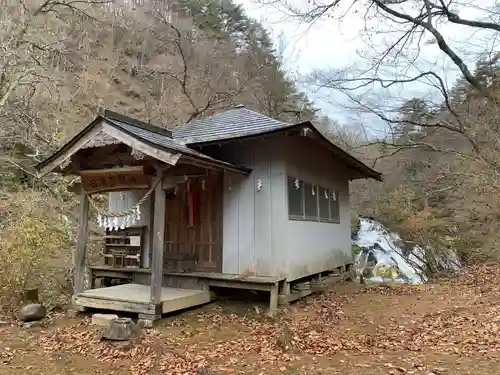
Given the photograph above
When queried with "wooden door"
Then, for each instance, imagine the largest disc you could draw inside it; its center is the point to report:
(177, 256)
(193, 239)
(208, 233)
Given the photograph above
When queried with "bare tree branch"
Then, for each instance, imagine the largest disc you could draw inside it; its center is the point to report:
(183, 78)
(443, 45)
(455, 18)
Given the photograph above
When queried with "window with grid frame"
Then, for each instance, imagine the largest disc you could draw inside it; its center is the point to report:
(310, 202)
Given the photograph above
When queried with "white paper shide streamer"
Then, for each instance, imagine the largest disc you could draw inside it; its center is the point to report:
(297, 183)
(119, 222)
(122, 219)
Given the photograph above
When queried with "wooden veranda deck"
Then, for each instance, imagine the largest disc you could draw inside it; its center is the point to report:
(200, 280)
(135, 298)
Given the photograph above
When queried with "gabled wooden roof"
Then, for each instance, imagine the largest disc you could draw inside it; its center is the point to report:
(146, 138)
(241, 123)
(233, 124)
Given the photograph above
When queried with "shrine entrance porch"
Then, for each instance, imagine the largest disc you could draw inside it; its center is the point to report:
(135, 298)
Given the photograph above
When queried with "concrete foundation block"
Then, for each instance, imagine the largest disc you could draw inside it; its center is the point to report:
(103, 319)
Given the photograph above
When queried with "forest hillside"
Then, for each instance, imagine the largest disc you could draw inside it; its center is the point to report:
(163, 62)
(170, 62)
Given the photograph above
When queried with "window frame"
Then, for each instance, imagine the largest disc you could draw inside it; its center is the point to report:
(320, 196)
(304, 201)
(335, 220)
(293, 216)
(319, 191)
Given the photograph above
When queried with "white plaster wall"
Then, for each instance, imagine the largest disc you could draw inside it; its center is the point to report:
(311, 247)
(249, 215)
(258, 237)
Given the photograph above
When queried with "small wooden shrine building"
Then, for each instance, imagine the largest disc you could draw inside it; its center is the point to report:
(235, 200)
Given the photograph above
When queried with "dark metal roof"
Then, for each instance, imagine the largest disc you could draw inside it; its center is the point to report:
(163, 141)
(110, 115)
(236, 123)
(153, 138)
(233, 123)
(240, 122)
(148, 133)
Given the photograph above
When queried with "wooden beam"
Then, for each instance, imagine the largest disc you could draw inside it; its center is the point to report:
(81, 244)
(209, 164)
(164, 156)
(71, 150)
(93, 157)
(158, 241)
(110, 304)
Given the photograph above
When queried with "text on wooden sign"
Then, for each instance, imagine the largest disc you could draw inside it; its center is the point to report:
(114, 179)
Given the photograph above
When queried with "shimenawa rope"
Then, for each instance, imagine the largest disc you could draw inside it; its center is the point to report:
(106, 213)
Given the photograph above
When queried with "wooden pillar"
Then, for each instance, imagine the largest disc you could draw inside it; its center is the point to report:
(81, 244)
(273, 300)
(286, 290)
(91, 277)
(158, 241)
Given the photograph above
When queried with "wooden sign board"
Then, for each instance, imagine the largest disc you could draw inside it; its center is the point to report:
(116, 179)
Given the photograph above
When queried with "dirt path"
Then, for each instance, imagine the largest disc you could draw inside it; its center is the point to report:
(448, 327)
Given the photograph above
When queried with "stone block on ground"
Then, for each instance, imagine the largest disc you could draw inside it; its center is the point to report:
(121, 329)
(32, 312)
(103, 319)
(145, 323)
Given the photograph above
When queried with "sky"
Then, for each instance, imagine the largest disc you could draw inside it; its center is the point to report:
(331, 43)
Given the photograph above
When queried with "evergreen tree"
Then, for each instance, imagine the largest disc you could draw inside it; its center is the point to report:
(276, 94)
(412, 113)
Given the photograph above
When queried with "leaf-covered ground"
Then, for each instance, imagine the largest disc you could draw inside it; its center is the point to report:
(451, 327)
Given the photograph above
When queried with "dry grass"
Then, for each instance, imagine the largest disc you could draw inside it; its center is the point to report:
(34, 248)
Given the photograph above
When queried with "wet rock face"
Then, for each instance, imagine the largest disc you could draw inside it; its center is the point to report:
(380, 251)
(367, 252)
(32, 312)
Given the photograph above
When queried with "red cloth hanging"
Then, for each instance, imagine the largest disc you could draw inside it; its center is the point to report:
(192, 203)
(195, 207)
